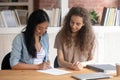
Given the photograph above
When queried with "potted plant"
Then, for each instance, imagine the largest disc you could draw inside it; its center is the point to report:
(93, 17)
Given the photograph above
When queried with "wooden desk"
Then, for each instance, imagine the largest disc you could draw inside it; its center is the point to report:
(34, 75)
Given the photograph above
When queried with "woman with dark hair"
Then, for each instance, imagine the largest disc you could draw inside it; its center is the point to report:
(30, 48)
(75, 42)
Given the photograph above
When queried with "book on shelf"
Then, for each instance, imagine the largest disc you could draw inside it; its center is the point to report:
(103, 16)
(1, 21)
(57, 17)
(117, 22)
(114, 16)
(110, 17)
(49, 12)
(22, 16)
(106, 16)
(54, 16)
(107, 68)
(9, 18)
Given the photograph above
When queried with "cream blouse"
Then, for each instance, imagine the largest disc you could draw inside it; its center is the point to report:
(71, 54)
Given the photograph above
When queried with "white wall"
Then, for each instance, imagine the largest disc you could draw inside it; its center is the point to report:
(112, 47)
(108, 49)
(52, 50)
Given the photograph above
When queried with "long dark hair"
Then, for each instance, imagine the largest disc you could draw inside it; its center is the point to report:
(37, 17)
(84, 40)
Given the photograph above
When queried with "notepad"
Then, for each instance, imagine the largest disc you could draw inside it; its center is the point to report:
(54, 71)
(91, 76)
(107, 68)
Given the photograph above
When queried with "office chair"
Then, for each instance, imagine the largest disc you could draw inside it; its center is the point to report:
(5, 62)
(56, 65)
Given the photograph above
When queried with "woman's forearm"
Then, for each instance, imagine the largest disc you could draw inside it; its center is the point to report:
(65, 64)
(23, 66)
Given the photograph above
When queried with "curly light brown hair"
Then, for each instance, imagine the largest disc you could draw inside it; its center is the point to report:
(85, 37)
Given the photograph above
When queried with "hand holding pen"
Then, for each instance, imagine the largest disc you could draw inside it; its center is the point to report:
(44, 65)
(77, 66)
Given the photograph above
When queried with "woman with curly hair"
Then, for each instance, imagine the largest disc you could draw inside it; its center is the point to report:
(75, 42)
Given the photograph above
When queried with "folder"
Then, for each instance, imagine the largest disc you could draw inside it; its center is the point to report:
(91, 76)
(107, 68)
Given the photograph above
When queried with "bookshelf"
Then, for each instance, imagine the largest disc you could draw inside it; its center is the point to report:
(29, 4)
(16, 11)
(19, 4)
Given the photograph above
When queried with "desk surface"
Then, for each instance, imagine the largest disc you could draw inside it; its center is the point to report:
(34, 75)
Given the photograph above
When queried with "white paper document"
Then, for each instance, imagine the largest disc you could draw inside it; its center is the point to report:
(54, 71)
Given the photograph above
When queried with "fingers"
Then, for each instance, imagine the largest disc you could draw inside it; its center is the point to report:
(46, 65)
(76, 63)
(77, 66)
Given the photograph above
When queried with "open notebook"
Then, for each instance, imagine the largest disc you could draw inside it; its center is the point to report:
(91, 76)
(107, 68)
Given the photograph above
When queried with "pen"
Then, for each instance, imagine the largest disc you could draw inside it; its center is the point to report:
(45, 59)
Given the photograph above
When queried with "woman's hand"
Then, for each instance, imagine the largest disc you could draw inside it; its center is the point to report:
(44, 66)
(77, 66)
